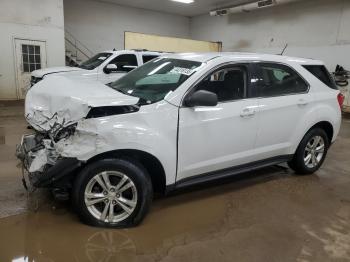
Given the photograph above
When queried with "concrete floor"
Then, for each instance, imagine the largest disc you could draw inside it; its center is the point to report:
(267, 215)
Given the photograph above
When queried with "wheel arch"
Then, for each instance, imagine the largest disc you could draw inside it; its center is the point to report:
(151, 163)
(324, 124)
(327, 127)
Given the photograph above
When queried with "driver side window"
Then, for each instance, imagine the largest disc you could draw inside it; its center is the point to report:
(228, 83)
(125, 63)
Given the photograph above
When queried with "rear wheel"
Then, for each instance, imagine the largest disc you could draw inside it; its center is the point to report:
(112, 193)
(311, 152)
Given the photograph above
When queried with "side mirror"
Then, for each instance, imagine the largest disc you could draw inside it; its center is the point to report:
(110, 68)
(201, 98)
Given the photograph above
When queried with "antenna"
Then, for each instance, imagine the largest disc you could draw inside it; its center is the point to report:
(284, 49)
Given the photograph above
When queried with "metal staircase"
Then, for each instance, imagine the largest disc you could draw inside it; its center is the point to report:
(76, 51)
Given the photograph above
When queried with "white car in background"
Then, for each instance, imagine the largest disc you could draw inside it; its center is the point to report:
(104, 67)
(176, 121)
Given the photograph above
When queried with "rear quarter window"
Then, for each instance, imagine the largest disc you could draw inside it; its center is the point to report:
(321, 72)
(278, 80)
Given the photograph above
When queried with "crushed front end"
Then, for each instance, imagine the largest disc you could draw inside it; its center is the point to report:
(42, 166)
(66, 116)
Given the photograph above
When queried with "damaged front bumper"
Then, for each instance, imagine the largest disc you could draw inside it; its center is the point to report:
(41, 164)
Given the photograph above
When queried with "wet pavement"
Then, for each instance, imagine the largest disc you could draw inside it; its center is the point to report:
(267, 215)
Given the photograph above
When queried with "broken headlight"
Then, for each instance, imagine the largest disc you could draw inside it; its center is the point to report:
(65, 132)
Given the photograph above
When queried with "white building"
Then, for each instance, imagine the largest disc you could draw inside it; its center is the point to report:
(32, 36)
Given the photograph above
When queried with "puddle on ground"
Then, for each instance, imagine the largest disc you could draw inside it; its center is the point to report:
(241, 219)
(54, 233)
(2, 136)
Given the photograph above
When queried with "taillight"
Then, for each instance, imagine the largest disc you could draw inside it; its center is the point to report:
(341, 99)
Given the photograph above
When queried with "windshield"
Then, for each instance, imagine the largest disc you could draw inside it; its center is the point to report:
(154, 80)
(94, 61)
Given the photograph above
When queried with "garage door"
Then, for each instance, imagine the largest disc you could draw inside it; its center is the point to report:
(168, 44)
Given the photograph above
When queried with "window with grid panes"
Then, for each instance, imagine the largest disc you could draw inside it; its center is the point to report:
(31, 59)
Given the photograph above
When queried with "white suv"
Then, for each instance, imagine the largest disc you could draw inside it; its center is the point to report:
(174, 122)
(104, 67)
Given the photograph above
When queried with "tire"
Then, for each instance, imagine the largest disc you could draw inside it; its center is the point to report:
(308, 158)
(129, 193)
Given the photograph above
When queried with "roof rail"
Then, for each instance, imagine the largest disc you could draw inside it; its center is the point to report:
(146, 50)
(140, 50)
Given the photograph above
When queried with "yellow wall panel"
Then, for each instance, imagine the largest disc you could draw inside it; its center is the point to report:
(168, 44)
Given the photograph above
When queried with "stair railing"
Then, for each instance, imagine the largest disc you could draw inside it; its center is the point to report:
(76, 47)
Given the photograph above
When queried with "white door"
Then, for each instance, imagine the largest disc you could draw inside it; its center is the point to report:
(284, 99)
(219, 137)
(30, 56)
(124, 64)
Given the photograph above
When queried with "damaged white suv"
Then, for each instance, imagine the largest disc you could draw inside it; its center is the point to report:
(173, 122)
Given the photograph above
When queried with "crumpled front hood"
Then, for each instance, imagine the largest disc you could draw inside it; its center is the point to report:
(59, 101)
(50, 70)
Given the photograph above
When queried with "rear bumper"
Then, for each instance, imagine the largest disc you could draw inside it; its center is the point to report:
(53, 169)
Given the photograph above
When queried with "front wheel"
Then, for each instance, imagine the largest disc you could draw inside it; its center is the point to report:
(112, 193)
(311, 152)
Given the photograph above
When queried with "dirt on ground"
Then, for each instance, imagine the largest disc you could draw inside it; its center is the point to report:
(266, 215)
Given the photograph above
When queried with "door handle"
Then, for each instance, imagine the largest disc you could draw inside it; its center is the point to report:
(248, 111)
(302, 102)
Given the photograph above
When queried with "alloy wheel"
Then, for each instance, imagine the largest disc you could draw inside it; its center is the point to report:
(314, 151)
(110, 196)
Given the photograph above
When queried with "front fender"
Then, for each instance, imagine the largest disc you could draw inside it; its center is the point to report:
(144, 131)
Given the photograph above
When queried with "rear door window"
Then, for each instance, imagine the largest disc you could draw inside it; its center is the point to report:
(279, 80)
(146, 58)
(321, 72)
